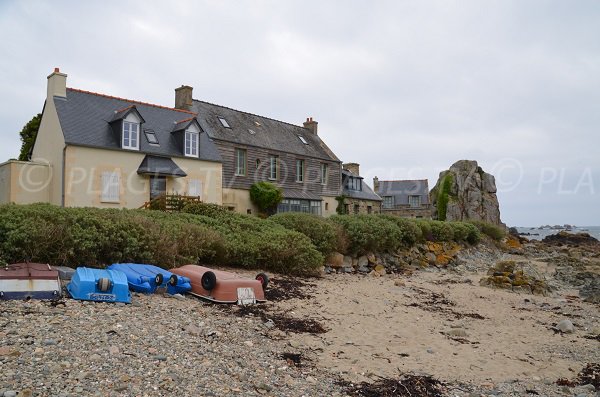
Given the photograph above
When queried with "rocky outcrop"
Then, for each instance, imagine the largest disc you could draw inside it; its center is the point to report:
(465, 192)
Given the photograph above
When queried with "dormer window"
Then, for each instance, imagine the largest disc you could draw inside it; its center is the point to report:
(131, 135)
(151, 136)
(191, 143)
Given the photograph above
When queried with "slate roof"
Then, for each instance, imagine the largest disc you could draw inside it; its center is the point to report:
(300, 194)
(159, 166)
(402, 189)
(85, 116)
(265, 132)
(365, 194)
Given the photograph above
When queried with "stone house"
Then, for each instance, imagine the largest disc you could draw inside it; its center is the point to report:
(405, 198)
(358, 196)
(257, 148)
(103, 151)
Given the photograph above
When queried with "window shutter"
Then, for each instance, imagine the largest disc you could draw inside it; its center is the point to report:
(195, 187)
(110, 186)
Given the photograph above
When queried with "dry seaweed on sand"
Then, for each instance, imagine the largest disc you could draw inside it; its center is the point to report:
(406, 385)
(590, 374)
(282, 321)
(288, 288)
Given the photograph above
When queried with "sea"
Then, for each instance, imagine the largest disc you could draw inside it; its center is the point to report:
(538, 233)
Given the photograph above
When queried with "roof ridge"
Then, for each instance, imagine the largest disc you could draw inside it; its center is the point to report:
(252, 114)
(404, 180)
(184, 120)
(129, 100)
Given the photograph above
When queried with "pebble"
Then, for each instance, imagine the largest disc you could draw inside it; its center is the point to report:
(10, 393)
(565, 326)
(49, 342)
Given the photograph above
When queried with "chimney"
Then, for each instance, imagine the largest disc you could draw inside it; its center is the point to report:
(57, 84)
(183, 97)
(353, 168)
(376, 184)
(311, 125)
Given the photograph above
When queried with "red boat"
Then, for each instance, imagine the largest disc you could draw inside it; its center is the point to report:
(224, 287)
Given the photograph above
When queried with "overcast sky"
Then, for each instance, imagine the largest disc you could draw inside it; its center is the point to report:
(405, 88)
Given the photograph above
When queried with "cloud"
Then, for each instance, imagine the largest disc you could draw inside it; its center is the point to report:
(404, 88)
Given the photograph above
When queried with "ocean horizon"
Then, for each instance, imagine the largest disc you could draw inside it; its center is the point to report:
(538, 233)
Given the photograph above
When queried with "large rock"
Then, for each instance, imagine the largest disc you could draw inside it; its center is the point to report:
(472, 194)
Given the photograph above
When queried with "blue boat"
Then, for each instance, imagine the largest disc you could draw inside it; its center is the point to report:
(147, 278)
(100, 285)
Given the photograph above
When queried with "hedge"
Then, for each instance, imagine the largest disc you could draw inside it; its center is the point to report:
(326, 236)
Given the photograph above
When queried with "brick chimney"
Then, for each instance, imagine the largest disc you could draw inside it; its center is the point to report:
(352, 167)
(57, 84)
(311, 125)
(183, 97)
(376, 184)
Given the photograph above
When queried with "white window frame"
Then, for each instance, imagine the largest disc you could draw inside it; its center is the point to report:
(299, 170)
(129, 135)
(240, 164)
(195, 187)
(191, 143)
(324, 173)
(390, 202)
(273, 167)
(111, 187)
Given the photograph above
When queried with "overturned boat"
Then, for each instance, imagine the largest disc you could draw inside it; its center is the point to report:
(29, 281)
(100, 285)
(147, 278)
(224, 287)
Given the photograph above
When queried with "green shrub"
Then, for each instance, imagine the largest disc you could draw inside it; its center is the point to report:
(369, 233)
(266, 196)
(323, 234)
(410, 231)
(206, 209)
(441, 231)
(495, 232)
(99, 237)
(443, 196)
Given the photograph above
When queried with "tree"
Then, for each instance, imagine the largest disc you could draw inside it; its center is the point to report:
(266, 196)
(28, 134)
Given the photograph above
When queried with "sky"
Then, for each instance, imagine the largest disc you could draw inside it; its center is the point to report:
(405, 88)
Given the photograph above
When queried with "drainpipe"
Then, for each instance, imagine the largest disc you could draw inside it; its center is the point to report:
(62, 182)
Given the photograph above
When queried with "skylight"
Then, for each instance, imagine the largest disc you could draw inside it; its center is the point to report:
(302, 139)
(256, 123)
(151, 137)
(252, 132)
(224, 122)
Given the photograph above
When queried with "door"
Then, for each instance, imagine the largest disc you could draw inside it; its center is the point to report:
(158, 186)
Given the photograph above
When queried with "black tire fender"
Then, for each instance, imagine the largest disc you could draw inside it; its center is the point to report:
(264, 280)
(173, 280)
(209, 281)
(159, 278)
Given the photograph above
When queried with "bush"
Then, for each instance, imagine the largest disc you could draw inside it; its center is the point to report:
(443, 196)
(323, 234)
(369, 233)
(495, 232)
(410, 231)
(99, 237)
(465, 232)
(206, 209)
(266, 196)
(441, 231)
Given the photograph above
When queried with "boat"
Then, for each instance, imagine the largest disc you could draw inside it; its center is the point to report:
(147, 278)
(29, 281)
(100, 285)
(224, 287)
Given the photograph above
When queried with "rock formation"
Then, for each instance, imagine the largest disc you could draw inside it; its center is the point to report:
(465, 192)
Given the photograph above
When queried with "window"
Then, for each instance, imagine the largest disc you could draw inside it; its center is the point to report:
(324, 169)
(191, 143)
(369, 209)
(273, 165)
(251, 132)
(151, 137)
(356, 208)
(110, 187)
(326, 206)
(388, 201)
(257, 163)
(306, 206)
(195, 188)
(302, 139)
(240, 162)
(130, 135)
(354, 183)
(346, 208)
(224, 122)
(299, 170)
(414, 201)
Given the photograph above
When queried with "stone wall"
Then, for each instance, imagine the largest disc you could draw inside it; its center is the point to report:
(363, 206)
(409, 212)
